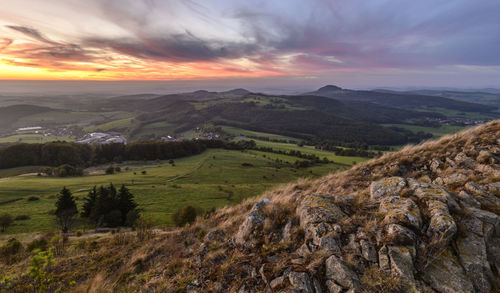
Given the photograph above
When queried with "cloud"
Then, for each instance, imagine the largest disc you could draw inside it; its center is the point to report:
(4, 43)
(32, 33)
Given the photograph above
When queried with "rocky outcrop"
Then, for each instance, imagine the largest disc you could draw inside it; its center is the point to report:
(248, 231)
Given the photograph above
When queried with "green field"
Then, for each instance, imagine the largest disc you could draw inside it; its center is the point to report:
(213, 179)
(435, 131)
(310, 150)
(242, 132)
(33, 138)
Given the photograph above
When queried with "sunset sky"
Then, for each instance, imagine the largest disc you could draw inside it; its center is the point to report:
(376, 42)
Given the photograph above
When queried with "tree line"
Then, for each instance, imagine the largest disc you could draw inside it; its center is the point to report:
(56, 154)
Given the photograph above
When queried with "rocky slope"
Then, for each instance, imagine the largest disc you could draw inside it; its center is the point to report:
(424, 219)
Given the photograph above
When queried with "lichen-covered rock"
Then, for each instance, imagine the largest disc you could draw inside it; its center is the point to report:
(401, 259)
(300, 282)
(468, 199)
(368, 251)
(339, 273)
(445, 274)
(391, 186)
(251, 226)
(383, 259)
(315, 209)
(333, 287)
(397, 234)
(431, 192)
(473, 257)
(400, 210)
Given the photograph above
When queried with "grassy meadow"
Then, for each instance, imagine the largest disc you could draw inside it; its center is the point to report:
(214, 178)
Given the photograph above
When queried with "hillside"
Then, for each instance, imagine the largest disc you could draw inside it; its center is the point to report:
(423, 219)
(409, 101)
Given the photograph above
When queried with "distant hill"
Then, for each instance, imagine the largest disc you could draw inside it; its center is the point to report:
(484, 98)
(409, 101)
(10, 114)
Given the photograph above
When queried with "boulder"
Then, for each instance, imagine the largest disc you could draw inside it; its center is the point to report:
(315, 209)
(300, 282)
(339, 273)
(468, 199)
(333, 287)
(474, 259)
(383, 259)
(391, 186)
(400, 210)
(401, 258)
(445, 274)
(368, 251)
(277, 282)
(251, 226)
(397, 234)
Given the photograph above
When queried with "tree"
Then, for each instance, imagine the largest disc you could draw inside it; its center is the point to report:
(66, 210)
(5, 221)
(89, 203)
(126, 203)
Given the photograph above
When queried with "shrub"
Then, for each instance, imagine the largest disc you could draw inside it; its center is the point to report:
(186, 215)
(110, 170)
(375, 280)
(40, 244)
(22, 218)
(10, 250)
(118, 169)
(33, 198)
(5, 221)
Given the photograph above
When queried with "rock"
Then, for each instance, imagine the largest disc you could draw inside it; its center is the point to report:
(473, 257)
(383, 259)
(215, 235)
(329, 243)
(303, 250)
(286, 233)
(445, 274)
(468, 199)
(368, 251)
(442, 225)
(298, 261)
(402, 262)
(315, 209)
(494, 188)
(483, 157)
(486, 217)
(397, 234)
(300, 282)
(436, 193)
(476, 189)
(493, 249)
(391, 186)
(454, 178)
(341, 274)
(317, 286)
(316, 232)
(332, 287)
(401, 211)
(251, 226)
(278, 282)
(435, 166)
(461, 159)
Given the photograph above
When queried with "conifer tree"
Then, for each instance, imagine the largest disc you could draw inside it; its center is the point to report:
(66, 210)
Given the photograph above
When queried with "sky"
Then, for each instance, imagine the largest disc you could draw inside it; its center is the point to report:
(353, 43)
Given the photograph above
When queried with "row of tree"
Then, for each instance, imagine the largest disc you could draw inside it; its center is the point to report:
(104, 206)
(83, 155)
